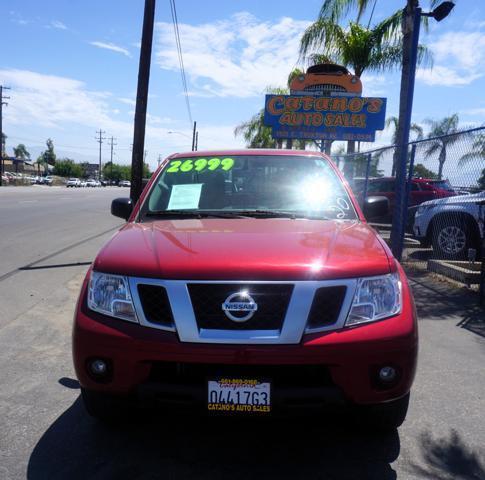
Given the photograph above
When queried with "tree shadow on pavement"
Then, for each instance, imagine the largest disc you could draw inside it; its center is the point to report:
(441, 301)
(76, 446)
(449, 459)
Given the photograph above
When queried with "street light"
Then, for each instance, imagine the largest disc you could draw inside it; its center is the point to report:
(179, 133)
(194, 138)
(411, 24)
(440, 12)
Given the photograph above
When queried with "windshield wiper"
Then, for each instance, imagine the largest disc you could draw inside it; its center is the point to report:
(280, 214)
(192, 214)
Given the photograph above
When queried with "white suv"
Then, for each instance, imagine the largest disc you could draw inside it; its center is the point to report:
(451, 225)
(73, 182)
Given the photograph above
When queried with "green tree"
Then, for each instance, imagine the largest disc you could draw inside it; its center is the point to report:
(21, 152)
(42, 162)
(442, 135)
(477, 151)
(4, 143)
(362, 48)
(116, 172)
(358, 47)
(415, 128)
(422, 172)
(67, 168)
(255, 133)
(49, 155)
(393, 122)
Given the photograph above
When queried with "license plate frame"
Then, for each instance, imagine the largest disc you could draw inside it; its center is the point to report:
(236, 396)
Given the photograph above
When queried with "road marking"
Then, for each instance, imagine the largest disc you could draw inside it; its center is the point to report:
(62, 250)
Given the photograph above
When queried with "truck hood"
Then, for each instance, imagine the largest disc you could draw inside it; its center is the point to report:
(456, 200)
(246, 249)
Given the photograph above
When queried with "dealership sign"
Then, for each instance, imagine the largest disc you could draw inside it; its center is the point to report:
(325, 118)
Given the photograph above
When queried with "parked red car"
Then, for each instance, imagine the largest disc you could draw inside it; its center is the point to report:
(421, 189)
(247, 282)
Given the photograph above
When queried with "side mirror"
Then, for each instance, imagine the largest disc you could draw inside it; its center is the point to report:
(375, 207)
(122, 207)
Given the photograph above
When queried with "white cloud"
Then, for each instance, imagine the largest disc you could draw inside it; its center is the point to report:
(374, 85)
(474, 111)
(53, 101)
(464, 48)
(448, 77)
(128, 101)
(63, 105)
(237, 57)
(112, 47)
(459, 59)
(57, 24)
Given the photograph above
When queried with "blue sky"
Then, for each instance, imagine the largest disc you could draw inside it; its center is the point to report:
(72, 67)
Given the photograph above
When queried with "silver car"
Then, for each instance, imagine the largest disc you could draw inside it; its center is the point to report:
(451, 225)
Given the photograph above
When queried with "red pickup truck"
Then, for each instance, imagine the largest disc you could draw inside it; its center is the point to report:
(247, 282)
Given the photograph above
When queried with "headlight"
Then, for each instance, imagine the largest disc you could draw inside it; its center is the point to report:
(375, 298)
(423, 208)
(110, 295)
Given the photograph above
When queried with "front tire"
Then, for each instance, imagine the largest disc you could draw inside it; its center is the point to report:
(104, 406)
(385, 416)
(452, 237)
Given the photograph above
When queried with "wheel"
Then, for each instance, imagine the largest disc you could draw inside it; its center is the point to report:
(384, 416)
(104, 406)
(452, 237)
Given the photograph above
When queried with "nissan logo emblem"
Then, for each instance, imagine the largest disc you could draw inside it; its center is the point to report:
(239, 307)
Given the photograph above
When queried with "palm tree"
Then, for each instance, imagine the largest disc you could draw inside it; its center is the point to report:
(477, 150)
(335, 10)
(358, 47)
(21, 152)
(415, 128)
(442, 135)
(255, 132)
(362, 48)
(393, 122)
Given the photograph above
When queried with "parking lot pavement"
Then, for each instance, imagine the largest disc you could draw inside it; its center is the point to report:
(46, 434)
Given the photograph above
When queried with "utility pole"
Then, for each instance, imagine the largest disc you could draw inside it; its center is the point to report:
(196, 140)
(2, 152)
(141, 101)
(159, 159)
(411, 22)
(100, 141)
(111, 143)
(193, 136)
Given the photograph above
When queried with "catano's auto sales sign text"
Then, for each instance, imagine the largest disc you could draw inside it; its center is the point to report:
(325, 118)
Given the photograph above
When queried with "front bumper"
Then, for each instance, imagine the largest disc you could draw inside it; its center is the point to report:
(349, 359)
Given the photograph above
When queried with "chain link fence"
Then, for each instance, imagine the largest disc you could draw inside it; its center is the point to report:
(444, 221)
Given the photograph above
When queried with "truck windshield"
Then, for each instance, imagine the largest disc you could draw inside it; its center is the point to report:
(266, 185)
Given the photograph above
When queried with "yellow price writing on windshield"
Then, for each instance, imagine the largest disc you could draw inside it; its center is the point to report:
(200, 165)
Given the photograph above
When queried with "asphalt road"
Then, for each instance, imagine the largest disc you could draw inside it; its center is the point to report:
(47, 239)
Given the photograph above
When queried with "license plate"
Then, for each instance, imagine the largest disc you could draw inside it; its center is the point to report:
(235, 395)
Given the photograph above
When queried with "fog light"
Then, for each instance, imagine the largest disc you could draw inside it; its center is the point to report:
(98, 367)
(387, 374)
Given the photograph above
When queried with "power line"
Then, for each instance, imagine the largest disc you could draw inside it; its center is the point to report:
(100, 141)
(180, 57)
